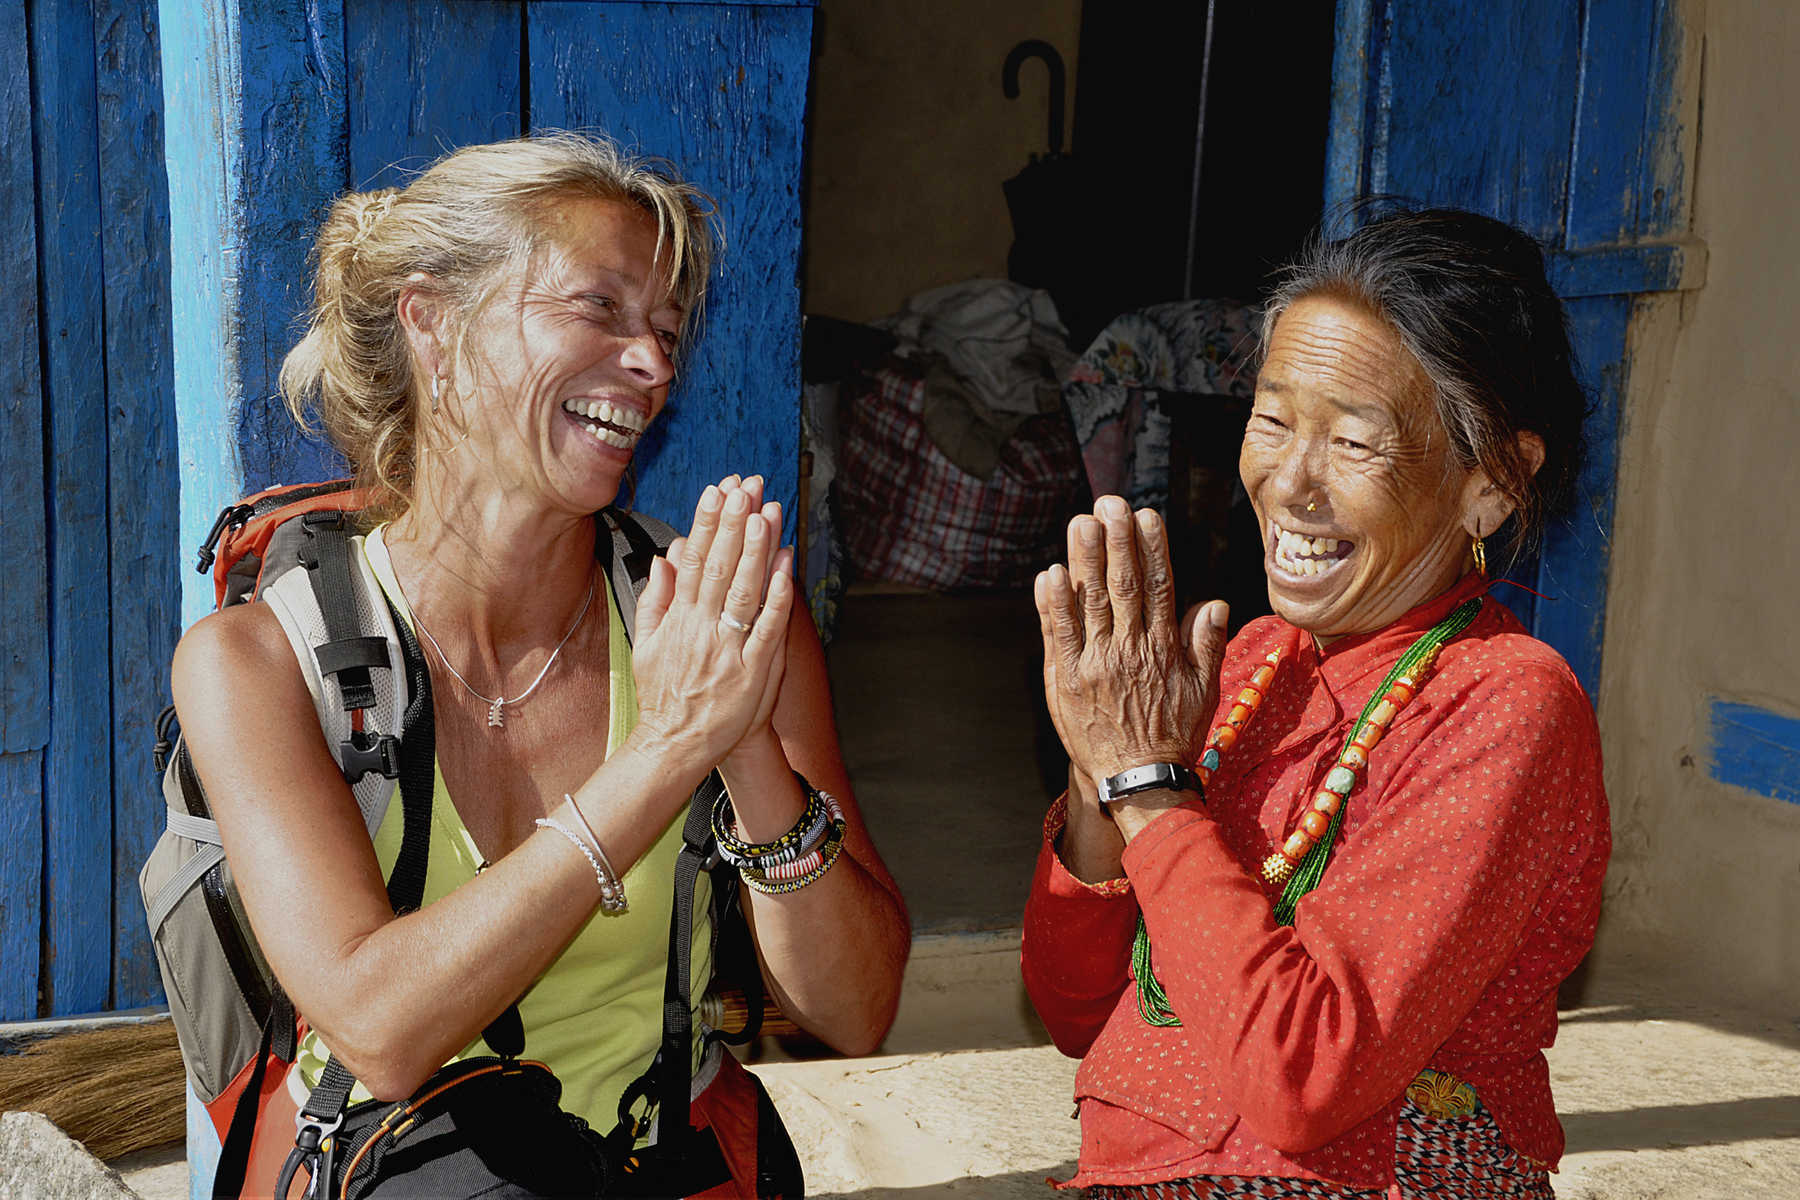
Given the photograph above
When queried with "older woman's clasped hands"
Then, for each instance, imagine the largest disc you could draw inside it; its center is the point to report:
(1127, 683)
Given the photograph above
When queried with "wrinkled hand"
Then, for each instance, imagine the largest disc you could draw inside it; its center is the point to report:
(712, 625)
(1126, 683)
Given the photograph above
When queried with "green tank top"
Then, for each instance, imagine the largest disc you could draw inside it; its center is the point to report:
(595, 1016)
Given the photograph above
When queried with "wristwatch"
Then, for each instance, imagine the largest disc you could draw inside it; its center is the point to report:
(1174, 776)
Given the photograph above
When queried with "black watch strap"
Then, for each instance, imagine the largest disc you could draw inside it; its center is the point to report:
(1174, 776)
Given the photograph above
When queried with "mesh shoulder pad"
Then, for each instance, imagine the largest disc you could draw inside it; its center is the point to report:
(630, 540)
(290, 595)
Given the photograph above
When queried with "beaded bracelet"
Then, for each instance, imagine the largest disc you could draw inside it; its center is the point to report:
(789, 846)
(612, 895)
(828, 852)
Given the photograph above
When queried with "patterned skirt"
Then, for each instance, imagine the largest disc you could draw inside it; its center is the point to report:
(1462, 1157)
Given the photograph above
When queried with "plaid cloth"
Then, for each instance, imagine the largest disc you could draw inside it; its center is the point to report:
(911, 516)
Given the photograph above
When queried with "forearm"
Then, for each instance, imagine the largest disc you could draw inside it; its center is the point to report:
(833, 951)
(1091, 844)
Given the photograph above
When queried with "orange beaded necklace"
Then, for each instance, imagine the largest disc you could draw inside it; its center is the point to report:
(1300, 862)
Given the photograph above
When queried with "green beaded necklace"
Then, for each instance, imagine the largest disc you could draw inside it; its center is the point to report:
(1301, 862)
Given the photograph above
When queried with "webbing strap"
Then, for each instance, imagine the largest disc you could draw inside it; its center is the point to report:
(327, 563)
(406, 883)
(176, 886)
(194, 829)
(337, 657)
(673, 1121)
(418, 768)
(234, 1151)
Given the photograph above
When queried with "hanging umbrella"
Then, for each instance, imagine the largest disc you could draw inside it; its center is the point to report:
(1048, 204)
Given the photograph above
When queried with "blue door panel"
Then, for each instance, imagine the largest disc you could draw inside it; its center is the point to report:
(143, 487)
(1561, 119)
(426, 77)
(723, 95)
(77, 817)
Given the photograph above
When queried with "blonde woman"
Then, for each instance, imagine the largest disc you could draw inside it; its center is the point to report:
(487, 346)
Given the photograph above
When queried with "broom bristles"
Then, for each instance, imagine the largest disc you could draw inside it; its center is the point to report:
(115, 1090)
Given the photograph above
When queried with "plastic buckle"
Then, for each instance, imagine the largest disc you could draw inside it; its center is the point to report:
(362, 753)
(320, 1130)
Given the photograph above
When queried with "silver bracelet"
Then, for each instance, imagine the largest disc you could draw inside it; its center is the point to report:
(612, 896)
(600, 850)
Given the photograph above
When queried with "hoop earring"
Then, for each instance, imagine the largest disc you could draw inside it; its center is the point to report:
(1480, 556)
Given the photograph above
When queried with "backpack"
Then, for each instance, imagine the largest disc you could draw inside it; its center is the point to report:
(290, 547)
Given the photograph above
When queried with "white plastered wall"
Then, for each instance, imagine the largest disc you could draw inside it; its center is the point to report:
(1704, 598)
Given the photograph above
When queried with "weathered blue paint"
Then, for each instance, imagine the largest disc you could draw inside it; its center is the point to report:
(426, 77)
(721, 91)
(1624, 270)
(294, 144)
(1353, 91)
(1482, 98)
(1558, 118)
(1756, 748)
(21, 857)
(202, 92)
(77, 767)
(1577, 552)
(1618, 42)
(24, 627)
(143, 486)
(719, 88)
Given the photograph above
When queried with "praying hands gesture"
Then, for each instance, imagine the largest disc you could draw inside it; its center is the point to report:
(1127, 684)
(712, 626)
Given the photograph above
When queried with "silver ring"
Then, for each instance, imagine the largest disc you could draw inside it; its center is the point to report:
(732, 623)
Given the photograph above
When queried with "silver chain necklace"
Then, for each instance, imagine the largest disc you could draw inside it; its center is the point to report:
(496, 717)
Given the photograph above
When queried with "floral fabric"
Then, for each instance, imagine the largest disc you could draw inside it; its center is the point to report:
(1204, 346)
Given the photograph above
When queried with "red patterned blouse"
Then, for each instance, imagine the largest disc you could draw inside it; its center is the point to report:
(1465, 887)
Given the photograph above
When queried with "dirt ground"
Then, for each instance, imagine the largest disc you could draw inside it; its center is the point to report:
(1664, 1095)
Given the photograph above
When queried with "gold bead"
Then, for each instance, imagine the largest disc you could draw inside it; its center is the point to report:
(1277, 869)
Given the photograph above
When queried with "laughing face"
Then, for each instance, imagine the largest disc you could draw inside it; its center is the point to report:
(573, 357)
(1365, 513)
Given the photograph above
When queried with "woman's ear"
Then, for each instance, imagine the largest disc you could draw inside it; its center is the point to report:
(422, 315)
(1486, 504)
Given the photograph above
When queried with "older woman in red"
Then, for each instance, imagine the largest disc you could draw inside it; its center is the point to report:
(1307, 938)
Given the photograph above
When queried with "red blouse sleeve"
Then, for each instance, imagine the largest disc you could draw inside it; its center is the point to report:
(1311, 1029)
(1076, 950)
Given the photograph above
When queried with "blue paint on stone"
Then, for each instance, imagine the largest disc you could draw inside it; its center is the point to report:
(1755, 748)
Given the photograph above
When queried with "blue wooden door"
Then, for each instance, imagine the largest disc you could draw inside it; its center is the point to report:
(88, 575)
(1560, 118)
(319, 96)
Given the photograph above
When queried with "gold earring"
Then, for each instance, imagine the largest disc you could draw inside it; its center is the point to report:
(1312, 506)
(1480, 556)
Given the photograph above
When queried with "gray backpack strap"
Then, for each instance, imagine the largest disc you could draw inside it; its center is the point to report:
(628, 541)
